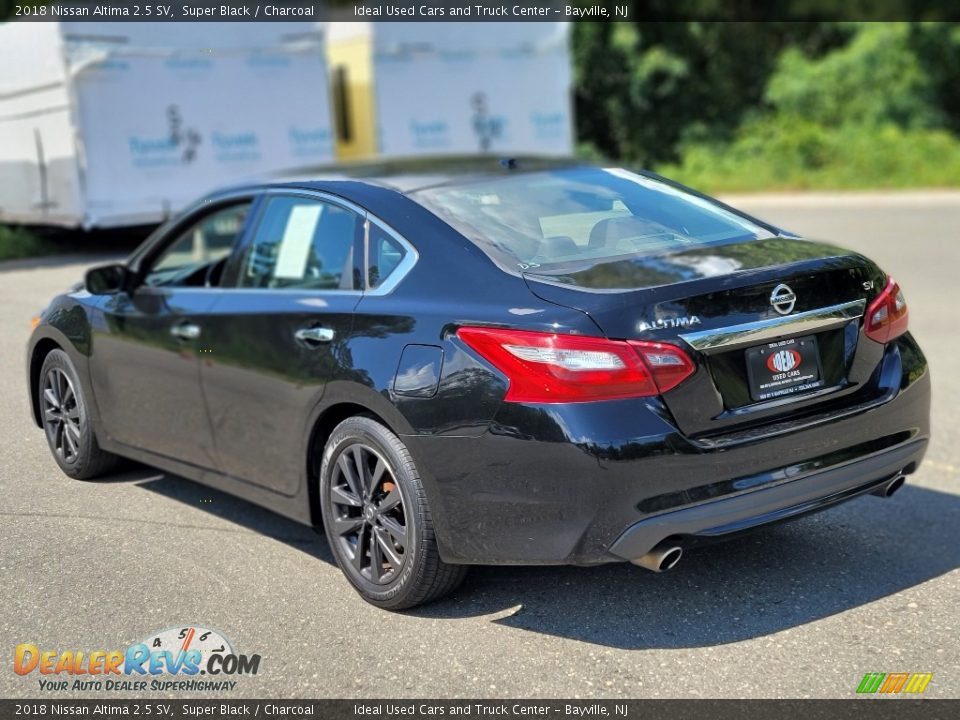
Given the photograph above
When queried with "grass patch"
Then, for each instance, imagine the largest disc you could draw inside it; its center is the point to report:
(778, 155)
(17, 243)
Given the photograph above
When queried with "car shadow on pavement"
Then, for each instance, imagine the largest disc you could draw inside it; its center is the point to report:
(775, 579)
(772, 580)
(229, 508)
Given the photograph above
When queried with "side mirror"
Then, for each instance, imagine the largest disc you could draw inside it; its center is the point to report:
(106, 279)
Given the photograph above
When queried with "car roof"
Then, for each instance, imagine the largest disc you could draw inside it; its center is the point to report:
(407, 175)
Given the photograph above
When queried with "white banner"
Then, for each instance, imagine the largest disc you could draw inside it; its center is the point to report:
(159, 130)
(507, 100)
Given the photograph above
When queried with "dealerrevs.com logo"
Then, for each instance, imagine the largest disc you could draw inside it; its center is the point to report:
(188, 658)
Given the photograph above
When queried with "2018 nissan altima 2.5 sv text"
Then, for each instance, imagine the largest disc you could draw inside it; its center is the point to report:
(528, 362)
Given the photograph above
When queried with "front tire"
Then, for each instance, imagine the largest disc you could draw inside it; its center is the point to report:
(377, 520)
(65, 415)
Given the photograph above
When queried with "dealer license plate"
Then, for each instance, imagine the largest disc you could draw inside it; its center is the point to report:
(784, 368)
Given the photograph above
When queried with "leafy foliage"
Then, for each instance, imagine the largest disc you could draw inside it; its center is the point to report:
(737, 106)
(643, 89)
(874, 80)
(18, 243)
(787, 153)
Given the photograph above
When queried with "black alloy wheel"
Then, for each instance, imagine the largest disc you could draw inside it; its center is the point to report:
(369, 515)
(377, 518)
(65, 416)
(61, 415)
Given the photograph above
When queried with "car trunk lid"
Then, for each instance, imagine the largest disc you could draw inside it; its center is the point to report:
(718, 303)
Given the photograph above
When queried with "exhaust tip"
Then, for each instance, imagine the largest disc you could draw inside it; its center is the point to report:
(895, 485)
(660, 559)
(670, 559)
(891, 487)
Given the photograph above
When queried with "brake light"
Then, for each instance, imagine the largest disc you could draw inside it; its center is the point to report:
(551, 368)
(887, 315)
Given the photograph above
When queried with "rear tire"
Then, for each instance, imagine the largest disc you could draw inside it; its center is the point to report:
(65, 416)
(377, 520)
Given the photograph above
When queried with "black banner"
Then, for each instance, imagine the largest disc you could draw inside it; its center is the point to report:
(471, 10)
(872, 709)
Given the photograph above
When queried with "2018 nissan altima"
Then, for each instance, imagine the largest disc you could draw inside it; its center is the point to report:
(522, 363)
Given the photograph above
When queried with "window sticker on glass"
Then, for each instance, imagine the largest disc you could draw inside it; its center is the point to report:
(297, 241)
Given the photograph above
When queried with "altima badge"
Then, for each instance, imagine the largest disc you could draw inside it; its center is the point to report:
(783, 299)
(664, 323)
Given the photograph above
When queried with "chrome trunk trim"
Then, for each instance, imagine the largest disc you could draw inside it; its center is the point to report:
(753, 333)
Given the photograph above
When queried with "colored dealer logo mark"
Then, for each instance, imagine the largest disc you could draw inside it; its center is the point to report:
(783, 361)
(894, 683)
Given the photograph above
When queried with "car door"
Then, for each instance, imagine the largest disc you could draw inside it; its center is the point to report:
(146, 349)
(279, 334)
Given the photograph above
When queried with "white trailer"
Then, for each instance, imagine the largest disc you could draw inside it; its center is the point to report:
(433, 88)
(111, 124)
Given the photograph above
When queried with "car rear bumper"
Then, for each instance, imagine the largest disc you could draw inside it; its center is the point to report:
(796, 496)
(599, 482)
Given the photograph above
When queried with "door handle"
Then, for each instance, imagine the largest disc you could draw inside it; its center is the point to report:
(185, 331)
(314, 335)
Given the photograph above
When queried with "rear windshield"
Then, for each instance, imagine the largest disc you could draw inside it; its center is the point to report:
(582, 216)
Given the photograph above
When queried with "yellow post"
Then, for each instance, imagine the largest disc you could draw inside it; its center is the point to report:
(350, 61)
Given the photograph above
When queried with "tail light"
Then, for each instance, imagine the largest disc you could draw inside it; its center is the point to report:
(887, 315)
(550, 368)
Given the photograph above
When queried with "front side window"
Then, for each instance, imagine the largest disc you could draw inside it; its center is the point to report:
(200, 251)
(303, 243)
(582, 215)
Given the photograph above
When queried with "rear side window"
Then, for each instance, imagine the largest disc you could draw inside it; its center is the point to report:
(384, 256)
(582, 216)
(303, 243)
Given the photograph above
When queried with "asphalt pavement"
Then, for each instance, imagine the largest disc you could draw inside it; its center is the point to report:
(799, 610)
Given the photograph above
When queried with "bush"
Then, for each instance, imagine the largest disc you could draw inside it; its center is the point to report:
(866, 115)
(792, 154)
(877, 79)
(17, 243)
(642, 88)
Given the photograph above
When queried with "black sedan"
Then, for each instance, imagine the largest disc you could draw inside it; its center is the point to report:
(521, 363)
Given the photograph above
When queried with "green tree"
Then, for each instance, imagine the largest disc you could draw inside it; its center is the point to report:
(641, 89)
(874, 80)
(937, 47)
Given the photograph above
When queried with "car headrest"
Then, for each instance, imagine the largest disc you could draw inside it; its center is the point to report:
(557, 246)
(609, 231)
